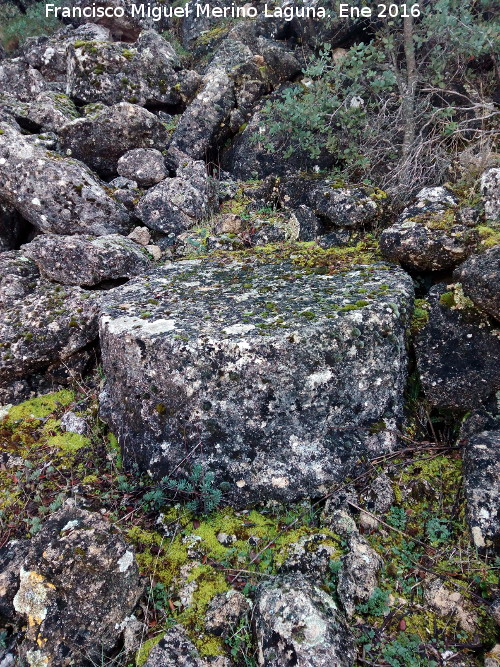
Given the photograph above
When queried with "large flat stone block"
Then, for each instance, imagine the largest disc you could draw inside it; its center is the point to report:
(275, 379)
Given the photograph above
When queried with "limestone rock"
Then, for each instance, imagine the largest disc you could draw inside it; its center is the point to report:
(144, 73)
(145, 166)
(78, 583)
(177, 203)
(480, 280)
(457, 352)
(429, 235)
(224, 612)
(203, 122)
(18, 277)
(48, 325)
(85, 260)
(298, 623)
(12, 557)
(54, 194)
(46, 112)
(358, 574)
(175, 650)
(490, 190)
(482, 472)
(20, 80)
(102, 138)
(250, 362)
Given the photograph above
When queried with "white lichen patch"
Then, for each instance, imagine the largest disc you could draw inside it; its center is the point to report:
(238, 329)
(125, 561)
(33, 597)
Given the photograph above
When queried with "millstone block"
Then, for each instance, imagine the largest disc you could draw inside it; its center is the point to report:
(275, 379)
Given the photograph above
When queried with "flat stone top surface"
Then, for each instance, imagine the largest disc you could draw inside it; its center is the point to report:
(195, 299)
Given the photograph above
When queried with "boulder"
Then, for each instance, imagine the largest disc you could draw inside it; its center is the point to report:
(48, 54)
(482, 472)
(12, 557)
(175, 204)
(457, 352)
(490, 191)
(54, 194)
(145, 166)
(205, 121)
(429, 235)
(85, 260)
(18, 277)
(224, 612)
(78, 583)
(269, 375)
(358, 573)
(17, 78)
(147, 72)
(298, 623)
(46, 112)
(175, 650)
(100, 139)
(45, 326)
(344, 207)
(480, 280)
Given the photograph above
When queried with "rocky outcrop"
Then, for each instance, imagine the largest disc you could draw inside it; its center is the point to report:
(77, 584)
(84, 260)
(296, 622)
(176, 204)
(457, 352)
(42, 324)
(268, 375)
(490, 188)
(17, 78)
(480, 280)
(145, 166)
(101, 138)
(428, 236)
(482, 472)
(147, 72)
(53, 193)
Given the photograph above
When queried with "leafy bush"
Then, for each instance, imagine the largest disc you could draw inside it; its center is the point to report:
(398, 107)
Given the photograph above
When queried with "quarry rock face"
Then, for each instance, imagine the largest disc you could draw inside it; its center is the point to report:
(268, 376)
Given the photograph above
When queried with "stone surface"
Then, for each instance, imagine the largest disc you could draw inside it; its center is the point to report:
(175, 650)
(297, 623)
(20, 80)
(457, 352)
(145, 166)
(85, 260)
(53, 193)
(147, 72)
(100, 139)
(12, 227)
(490, 191)
(78, 583)
(46, 112)
(266, 371)
(12, 557)
(480, 280)
(482, 472)
(140, 235)
(18, 277)
(46, 325)
(358, 574)
(310, 556)
(224, 612)
(178, 203)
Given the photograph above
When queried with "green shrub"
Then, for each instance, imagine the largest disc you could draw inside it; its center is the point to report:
(16, 27)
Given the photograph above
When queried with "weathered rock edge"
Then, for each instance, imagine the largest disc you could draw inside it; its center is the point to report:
(271, 377)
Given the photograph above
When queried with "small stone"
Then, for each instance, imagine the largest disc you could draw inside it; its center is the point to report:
(358, 574)
(71, 423)
(175, 650)
(155, 251)
(224, 612)
(225, 539)
(140, 235)
(230, 224)
(146, 166)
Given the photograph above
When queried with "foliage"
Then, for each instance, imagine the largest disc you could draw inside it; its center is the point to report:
(394, 108)
(16, 27)
(198, 487)
(405, 651)
(377, 604)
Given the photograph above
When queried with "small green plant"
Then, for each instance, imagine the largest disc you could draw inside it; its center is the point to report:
(437, 531)
(377, 605)
(405, 651)
(198, 488)
(397, 517)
